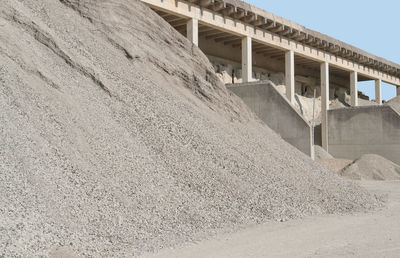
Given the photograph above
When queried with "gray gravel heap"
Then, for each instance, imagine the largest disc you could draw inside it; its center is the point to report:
(116, 138)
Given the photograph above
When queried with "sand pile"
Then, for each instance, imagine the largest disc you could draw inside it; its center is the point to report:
(117, 137)
(371, 167)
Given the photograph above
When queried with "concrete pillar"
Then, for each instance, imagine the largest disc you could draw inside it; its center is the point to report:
(193, 31)
(247, 60)
(354, 89)
(324, 104)
(398, 90)
(378, 91)
(289, 75)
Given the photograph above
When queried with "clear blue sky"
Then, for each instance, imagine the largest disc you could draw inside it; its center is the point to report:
(370, 25)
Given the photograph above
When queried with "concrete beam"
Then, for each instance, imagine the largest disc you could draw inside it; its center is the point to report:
(260, 21)
(240, 13)
(213, 34)
(250, 18)
(193, 31)
(218, 6)
(205, 3)
(378, 91)
(247, 60)
(353, 88)
(289, 75)
(229, 10)
(225, 38)
(269, 25)
(278, 28)
(324, 103)
(204, 30)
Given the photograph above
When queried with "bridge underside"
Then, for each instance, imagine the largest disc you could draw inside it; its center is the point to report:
(220, 43)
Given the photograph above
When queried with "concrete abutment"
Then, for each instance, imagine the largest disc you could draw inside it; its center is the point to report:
(273, 108)
(365, 130)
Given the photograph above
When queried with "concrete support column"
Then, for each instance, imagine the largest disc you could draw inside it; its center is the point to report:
(193, 31)
(247, 60)
(289, 75)
(398, 90)
(378, 91)
(324, 104)
(354, 89)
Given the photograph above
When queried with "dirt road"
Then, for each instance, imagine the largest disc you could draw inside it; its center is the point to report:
(374, 234)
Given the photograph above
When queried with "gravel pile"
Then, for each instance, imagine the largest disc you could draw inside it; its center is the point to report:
(371, 167)
(116, 138)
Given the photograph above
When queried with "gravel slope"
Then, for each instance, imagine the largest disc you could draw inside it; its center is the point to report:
(116, 137)
(371, 167)
(336, 165)
(320, 153)
(394, 103)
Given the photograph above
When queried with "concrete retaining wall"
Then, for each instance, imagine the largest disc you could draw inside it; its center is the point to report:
(364, 130)
(276, 111)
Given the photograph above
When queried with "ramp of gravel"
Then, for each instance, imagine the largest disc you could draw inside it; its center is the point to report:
(395, 103)
(371, 167)
(117, 137)
(320, 153)
(334, 165)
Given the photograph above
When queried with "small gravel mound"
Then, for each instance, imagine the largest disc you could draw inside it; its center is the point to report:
(320, 153)
(371, 167)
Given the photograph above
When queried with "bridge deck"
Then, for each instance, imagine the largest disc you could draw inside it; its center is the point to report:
(228, 21)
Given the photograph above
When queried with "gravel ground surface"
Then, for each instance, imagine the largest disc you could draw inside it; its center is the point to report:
(360, 235)
(116, 138)
(371, 167)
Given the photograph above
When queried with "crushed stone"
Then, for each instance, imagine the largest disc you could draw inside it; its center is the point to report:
(118, 138)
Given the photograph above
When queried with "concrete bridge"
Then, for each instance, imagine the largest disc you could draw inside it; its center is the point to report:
(242, 33)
